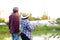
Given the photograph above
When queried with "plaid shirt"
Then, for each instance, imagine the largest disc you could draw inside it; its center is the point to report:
(14, 23)
(27, 27)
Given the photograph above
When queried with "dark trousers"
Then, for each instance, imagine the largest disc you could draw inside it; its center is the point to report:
(24, 37)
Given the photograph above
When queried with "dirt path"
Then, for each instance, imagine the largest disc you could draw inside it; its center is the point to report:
(7, 38)
(34, 38)
(41, 37)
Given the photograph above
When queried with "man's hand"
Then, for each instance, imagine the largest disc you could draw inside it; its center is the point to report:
(19, 33)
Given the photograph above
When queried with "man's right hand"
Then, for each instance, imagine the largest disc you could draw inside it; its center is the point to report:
(19, 33)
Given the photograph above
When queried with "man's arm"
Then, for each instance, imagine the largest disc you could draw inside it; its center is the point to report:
(10, 21)
(30, 26)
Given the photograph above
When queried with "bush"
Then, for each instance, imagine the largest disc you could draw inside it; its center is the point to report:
(4, 29)
(2, 20)
(58, 20)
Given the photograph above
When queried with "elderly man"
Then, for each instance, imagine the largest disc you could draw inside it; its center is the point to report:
(27, 27)
(14, 24)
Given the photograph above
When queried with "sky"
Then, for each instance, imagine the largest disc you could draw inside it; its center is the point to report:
(36, 7)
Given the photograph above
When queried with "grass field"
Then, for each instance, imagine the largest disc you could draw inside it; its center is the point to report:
(4, 30)
(47, 29)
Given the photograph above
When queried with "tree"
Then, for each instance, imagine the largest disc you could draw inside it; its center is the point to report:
(58, 20)
(45, 17)
(30, 16)
(2, 20)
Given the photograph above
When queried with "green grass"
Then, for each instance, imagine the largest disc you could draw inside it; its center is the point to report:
(4, 30)
(2, 36)
(47, 29)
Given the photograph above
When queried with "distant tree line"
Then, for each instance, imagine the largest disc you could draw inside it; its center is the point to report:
(58, 20)
(2, 20)
(44, 17)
